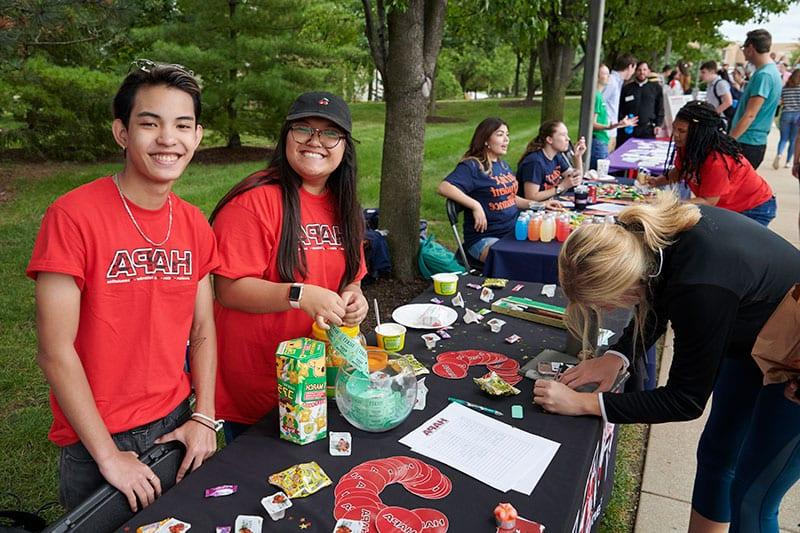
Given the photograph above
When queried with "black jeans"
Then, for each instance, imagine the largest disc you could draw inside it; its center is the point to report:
(79, 474)
(754, 153)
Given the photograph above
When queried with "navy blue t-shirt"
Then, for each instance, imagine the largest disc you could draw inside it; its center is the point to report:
(536, 168)
(496, 194)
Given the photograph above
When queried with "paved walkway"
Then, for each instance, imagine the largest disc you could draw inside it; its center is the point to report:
(670, 463)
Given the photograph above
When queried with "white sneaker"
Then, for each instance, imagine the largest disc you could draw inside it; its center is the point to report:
(776, 163)
(787, 165)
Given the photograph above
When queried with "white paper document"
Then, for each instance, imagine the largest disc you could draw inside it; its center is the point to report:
(493, 452)
(606, 207)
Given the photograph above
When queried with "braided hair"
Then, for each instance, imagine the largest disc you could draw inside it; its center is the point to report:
(706, 134)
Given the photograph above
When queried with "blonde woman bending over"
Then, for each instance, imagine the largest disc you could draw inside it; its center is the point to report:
(700, 269)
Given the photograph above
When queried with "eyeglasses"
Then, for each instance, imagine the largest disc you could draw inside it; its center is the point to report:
(146, 65)
(328, 138)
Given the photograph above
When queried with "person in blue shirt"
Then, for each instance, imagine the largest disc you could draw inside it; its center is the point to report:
(485, 185)
(543, 169)
(759, 101)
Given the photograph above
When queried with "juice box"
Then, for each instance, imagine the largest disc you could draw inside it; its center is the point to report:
(302, 403)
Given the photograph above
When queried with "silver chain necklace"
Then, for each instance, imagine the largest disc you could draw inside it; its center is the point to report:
(115, 179)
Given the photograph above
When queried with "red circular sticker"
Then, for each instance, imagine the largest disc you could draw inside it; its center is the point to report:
(365, 515)
(433, 520)
(397, 520)
(509, 364)
(450, 370)
(360, 484)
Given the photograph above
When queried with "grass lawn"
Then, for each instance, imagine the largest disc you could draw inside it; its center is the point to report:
(29, 463)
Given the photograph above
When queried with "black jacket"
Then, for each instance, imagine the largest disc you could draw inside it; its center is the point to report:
(720, 282)
(644, 101)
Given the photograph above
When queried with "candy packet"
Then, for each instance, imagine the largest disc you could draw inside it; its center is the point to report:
(301, 480)
(495, 385)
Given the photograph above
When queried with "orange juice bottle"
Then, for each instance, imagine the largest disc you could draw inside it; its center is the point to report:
(548, 229)
(534, 227)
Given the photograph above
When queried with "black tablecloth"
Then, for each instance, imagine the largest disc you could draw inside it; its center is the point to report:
(523, 260)
(584, 463)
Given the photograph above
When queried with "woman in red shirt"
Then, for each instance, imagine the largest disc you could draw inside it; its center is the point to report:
(712, 165)
(289, 240)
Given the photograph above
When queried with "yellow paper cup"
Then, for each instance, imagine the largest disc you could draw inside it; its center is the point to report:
(391, 336)
(445, 284)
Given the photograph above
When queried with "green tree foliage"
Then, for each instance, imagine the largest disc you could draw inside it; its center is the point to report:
(643, 27)
(56, 73)
(66, 110)
(255, 56)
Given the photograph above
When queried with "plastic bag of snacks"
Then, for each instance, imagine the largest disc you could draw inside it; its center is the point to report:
(495, 385)
(301, 480)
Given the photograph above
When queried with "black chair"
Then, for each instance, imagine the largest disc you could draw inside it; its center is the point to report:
(107, 509)
(453, 210)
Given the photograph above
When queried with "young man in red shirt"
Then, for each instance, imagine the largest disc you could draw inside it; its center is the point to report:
(121, 267)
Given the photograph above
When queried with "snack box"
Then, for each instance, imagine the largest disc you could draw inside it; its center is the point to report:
(302, 403)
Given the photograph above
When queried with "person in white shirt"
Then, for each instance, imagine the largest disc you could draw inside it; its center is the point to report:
(718, 91)
(623, 69)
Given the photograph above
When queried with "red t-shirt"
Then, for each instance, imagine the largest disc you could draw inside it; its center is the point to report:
(248, 231)
(738, 186)
(136, 312)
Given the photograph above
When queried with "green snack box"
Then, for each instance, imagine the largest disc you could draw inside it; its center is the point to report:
(302, 403)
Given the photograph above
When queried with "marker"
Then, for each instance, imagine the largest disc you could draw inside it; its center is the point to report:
(476, 406)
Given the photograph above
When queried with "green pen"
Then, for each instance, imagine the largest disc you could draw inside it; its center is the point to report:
(476, 406)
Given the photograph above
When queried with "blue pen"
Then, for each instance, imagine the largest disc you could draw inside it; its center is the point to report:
(476, 406)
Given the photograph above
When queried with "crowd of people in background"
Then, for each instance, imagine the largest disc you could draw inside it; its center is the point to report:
(747, 96)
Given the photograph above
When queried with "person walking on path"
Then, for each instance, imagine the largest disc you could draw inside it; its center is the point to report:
(789, 120)
(760, 98)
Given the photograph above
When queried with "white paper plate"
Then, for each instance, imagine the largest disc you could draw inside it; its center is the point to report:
(424, 316)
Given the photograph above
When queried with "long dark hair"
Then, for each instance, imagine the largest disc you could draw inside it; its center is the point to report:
(794, 79)
(477, 146)
(547, 129)
(342, 185)
(706, 134)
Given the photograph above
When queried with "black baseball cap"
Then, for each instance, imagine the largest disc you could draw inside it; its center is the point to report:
(322, 104)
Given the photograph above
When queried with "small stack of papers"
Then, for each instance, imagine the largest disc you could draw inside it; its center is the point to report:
(502, 456)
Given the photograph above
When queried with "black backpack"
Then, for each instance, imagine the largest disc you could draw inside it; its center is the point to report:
(736, 94)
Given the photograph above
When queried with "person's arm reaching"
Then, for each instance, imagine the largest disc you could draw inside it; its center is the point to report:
(58, 301)
(702, 317)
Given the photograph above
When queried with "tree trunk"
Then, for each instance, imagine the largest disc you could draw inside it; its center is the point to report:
(234, 140)
(432, 99)
(369, 86)
(516, 75)
(555, 63)
(531, 88)
(415, 36)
